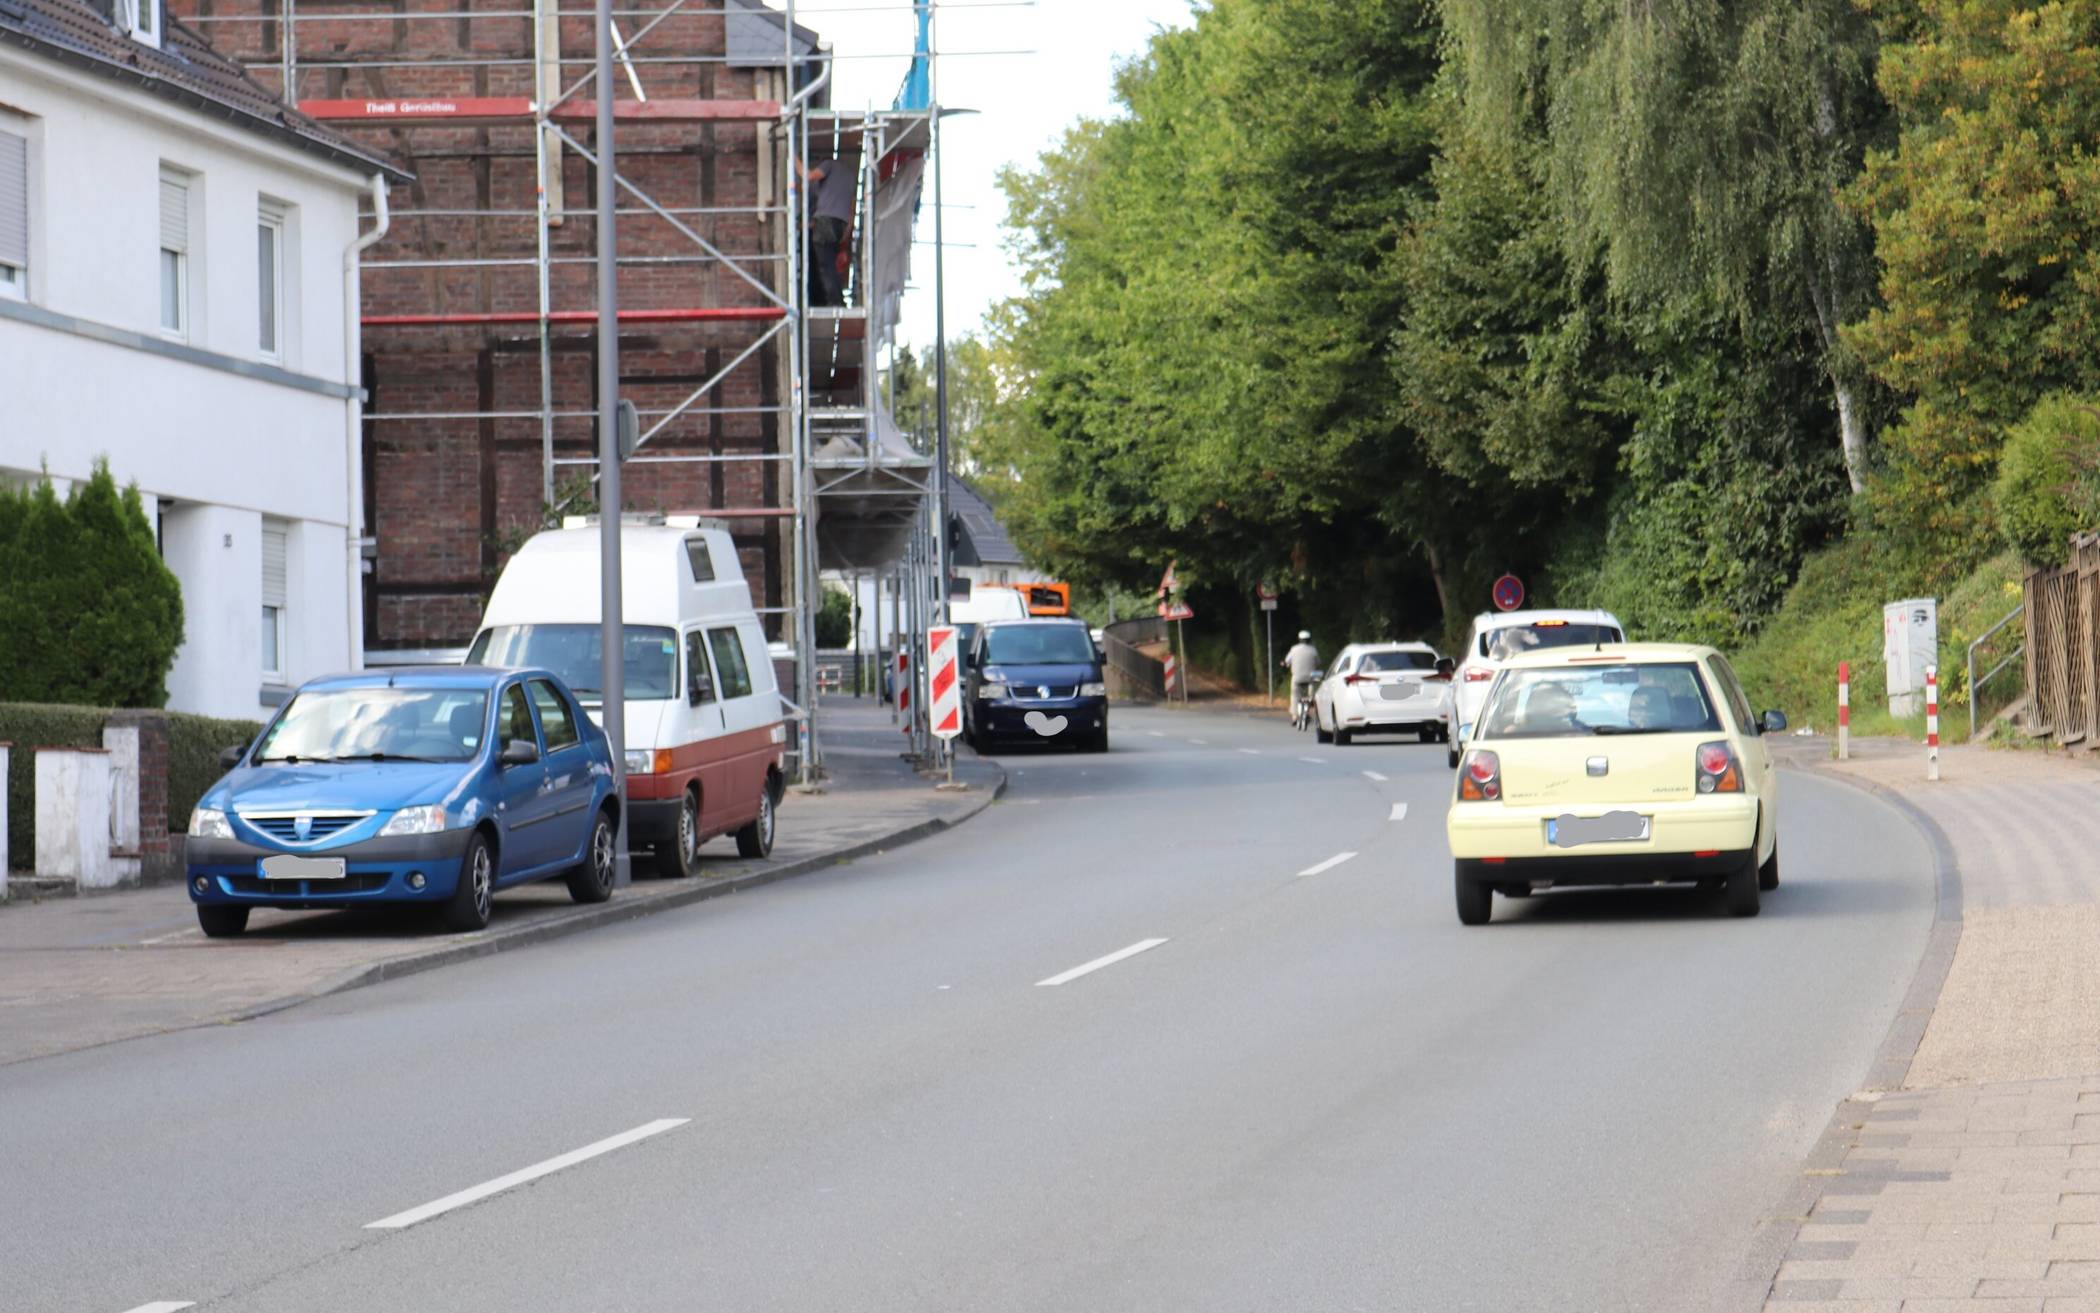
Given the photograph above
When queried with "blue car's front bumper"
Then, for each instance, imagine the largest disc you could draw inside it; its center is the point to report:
(1082, 717)
(229, 871)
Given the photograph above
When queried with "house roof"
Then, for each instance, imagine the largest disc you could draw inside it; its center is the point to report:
(752, 35)
(982, 534)
(184, 70)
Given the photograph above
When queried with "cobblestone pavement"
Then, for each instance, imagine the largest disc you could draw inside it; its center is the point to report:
(1974, 1186)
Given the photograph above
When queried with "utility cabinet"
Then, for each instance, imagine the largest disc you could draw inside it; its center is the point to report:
(1910, 643)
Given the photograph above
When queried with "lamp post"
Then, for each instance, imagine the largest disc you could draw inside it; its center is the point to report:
(612, 623)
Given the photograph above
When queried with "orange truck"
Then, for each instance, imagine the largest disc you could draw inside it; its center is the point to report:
(1042, 599)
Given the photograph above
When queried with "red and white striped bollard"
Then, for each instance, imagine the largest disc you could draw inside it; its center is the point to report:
(1173, 673)
(1932, 722)
(1844, 709)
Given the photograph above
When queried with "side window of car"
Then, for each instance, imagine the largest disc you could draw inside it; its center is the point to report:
(514, 722)
(699, 684)
(1732, 693)
(555, 721)
(730, 667)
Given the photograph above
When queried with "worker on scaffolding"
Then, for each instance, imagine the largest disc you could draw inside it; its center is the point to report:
(830, 209)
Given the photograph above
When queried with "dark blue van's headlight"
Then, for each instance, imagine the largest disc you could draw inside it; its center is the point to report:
(1096, 689)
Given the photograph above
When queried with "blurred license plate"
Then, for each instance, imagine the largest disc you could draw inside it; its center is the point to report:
(1611, 827)
(1397, 692)
(285, 866)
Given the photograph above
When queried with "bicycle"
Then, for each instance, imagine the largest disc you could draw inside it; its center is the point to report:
(1302, 713)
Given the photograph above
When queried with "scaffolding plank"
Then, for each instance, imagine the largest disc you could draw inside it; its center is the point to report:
(498, 109)
(692, 315)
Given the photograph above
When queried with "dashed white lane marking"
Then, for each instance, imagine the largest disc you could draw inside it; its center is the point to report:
(162, 939)
(1327, 865)
(1201, 743)
(1252, 752)
(164, 1306)
(1374, 775)
(1155, 733)
(476, 1193)
(1317, 761)
(1399, 811)
(1099, 962)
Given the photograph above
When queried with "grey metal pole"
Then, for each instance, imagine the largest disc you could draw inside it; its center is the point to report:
(940, 342)
(1269, 618)
(612, 626)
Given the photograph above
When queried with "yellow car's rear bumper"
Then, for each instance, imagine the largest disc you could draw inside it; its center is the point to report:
(1725, 824)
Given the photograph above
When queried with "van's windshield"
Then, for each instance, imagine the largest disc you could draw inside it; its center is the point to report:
(572, 651)
(1041, 645)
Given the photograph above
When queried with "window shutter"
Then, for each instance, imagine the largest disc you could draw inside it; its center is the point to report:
(14, 199)
(174, 212)
(273, 567)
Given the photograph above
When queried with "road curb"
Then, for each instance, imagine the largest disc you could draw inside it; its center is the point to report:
(618, 910)
(1749, 1290)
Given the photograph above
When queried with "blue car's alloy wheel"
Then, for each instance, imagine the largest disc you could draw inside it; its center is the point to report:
(592, 882)
(468, 908)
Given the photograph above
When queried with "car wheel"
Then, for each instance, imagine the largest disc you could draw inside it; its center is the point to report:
(1768, 874)
(220, 921)
(756, 839)
(1476, 901)
(468, 907)
(1451, 757)
(1742, 888)
(1427, 734)
(1098, 743)
(1341, 737)
(1320, 731)
(680, 858)
(592, 881)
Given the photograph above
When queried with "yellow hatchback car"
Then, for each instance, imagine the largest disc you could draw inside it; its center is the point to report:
(1629, 763)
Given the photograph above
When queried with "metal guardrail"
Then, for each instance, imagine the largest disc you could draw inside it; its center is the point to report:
(1975, 685)
(1132, 675)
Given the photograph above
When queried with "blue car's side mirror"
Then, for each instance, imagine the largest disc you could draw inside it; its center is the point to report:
(519, 752)
(231, 757)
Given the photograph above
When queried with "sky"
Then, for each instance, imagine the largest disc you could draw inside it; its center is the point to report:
(1024, 102)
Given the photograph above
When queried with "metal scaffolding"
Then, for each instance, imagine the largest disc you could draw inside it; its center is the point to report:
(856, 494)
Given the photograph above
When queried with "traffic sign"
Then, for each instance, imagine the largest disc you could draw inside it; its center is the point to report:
(944, 692)
(1509, 593)
(1167, 582)
(1266, 591)
(1178, 611)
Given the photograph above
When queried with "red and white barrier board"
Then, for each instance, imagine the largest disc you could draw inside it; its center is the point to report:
(902, 683)
(943, 683)
(1173, 673)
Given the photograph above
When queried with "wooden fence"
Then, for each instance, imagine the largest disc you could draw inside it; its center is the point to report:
(2063, 646)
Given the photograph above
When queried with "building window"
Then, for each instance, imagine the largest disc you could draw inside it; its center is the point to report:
(174, 252)
(14, 215)
(140, 18)
(269, 279)
(273, 600)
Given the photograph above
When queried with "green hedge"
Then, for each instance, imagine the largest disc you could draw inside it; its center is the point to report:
(194, 743)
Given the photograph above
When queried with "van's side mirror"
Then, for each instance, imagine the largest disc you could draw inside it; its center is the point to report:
(698, 687)
(519, 752)
(231, 757)
(1774, 722)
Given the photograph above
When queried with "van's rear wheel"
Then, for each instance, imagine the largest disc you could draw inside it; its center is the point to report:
(756, 839)
(678, 858)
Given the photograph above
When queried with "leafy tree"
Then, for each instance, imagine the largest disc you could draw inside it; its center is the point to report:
(835, 619)
(1987, 220)
(2048, 484)
(89, 613)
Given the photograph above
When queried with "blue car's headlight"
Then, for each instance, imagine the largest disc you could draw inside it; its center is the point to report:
(415, 820)
(209, 823)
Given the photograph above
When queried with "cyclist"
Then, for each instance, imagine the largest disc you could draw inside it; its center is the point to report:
(1303, 659)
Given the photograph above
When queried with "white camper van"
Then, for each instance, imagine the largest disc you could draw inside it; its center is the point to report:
(706, 733)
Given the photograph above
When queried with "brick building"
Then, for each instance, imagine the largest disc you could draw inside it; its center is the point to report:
(468, 397)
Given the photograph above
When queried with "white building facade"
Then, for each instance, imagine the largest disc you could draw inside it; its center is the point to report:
(174, 300)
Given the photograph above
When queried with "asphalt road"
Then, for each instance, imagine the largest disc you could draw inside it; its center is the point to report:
(851, 1092)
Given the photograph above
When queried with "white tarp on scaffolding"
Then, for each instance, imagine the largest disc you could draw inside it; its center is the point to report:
(870, 494)
(896, 212)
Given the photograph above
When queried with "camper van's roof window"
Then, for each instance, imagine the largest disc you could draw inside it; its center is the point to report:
(703, 564)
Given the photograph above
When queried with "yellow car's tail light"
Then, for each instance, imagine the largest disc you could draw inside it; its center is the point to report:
(1480, 777)
(1718, 771)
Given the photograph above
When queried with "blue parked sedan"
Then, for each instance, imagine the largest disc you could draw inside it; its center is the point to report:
(434, 786)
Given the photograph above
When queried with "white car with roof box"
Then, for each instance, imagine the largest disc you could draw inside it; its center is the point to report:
(1372, 687)
(1498, 636)
(706, 732)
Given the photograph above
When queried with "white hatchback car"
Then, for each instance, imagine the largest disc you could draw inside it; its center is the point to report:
(1496, 637)
(1383, 686)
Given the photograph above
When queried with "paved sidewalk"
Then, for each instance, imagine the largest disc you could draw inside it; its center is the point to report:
(77, 972)
(1972, 1184)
